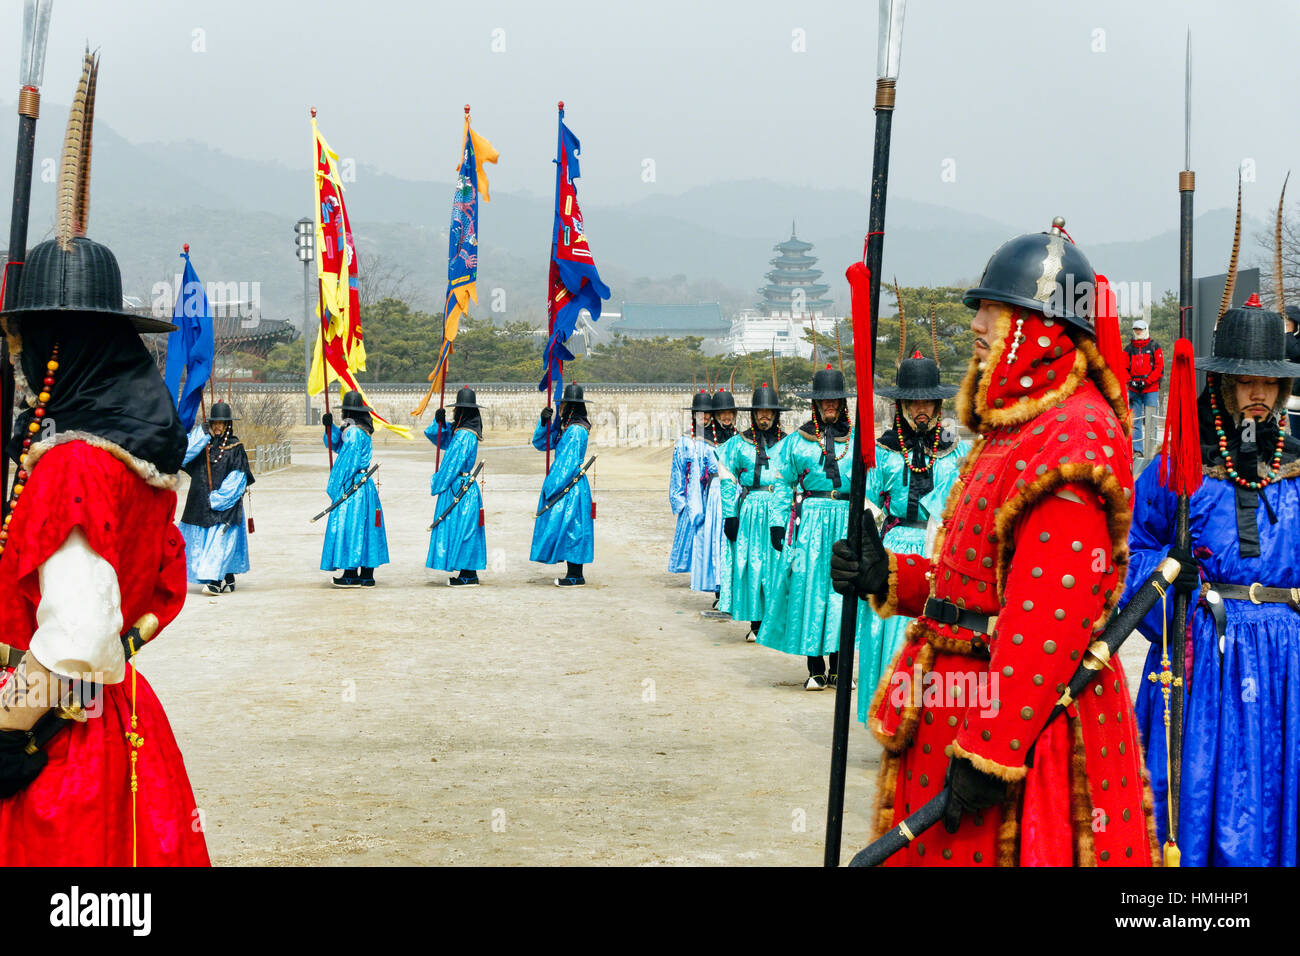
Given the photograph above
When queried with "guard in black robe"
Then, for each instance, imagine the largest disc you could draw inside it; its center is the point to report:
(216, 542)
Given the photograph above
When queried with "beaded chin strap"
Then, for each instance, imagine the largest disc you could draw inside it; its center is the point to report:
(1016, 339)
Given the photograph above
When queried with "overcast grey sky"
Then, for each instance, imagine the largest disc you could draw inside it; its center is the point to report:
(1040, 108)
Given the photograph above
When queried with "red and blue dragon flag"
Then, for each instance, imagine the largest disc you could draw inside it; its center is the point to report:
(574, 282)
(462, 249)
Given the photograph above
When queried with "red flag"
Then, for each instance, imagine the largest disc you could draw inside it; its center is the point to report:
(859, 277)
(1180, 465)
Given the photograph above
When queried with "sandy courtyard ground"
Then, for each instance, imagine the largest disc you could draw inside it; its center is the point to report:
(514, 723)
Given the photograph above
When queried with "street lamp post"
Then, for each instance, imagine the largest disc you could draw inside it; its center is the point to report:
(305, 233)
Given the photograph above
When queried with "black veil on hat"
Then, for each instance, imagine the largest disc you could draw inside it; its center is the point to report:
(355, 409)
(573, 407)
(70, 296)
(468, 411)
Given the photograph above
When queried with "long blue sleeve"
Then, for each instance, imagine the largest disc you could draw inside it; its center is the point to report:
(231, 490)
(333, 438)
(198, 440)
(461, 452)
(539, 434)
(439, 435)
(677, 477)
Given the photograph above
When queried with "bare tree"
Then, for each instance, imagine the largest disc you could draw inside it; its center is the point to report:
(379, 278)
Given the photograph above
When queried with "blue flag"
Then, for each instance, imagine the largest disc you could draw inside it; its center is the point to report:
(574, 282)
(190, 348)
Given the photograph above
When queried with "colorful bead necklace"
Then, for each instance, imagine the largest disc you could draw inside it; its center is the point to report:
(33, 427)
(817, 430)
(934, 447)
(1274, 468)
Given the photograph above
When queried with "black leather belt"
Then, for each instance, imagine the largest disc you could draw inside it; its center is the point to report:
(907, 523)
(945, 612)
(833, 495)
(1258, 594)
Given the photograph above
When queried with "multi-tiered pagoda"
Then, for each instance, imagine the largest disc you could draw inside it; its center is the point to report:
(792, 288)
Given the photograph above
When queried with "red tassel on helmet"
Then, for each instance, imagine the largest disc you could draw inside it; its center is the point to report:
(859, 277)
(1180, 467)
(1109, 341)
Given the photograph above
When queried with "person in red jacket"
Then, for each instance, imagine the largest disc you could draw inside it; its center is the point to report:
(1028, 565)
(91, 565)
(1146, 366)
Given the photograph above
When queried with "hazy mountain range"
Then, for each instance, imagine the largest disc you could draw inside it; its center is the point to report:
(709, 243)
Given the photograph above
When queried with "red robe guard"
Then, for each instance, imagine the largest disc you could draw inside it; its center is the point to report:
(1028, 566)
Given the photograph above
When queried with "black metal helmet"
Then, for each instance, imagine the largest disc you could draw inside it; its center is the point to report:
(1249, 340)
(1042, 271)
(701, 402)
(827, 383)
(917, 380)
(723, 401)
(465, 398)
(220, 413)
(765, 398)
(83, 279)
(353, 402)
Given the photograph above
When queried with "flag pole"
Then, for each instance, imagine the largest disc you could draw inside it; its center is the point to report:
(1182, 518)
(446, 365)
(890, 40)
(36, 31)
(324, 364)
(550, 303)
(321, 308)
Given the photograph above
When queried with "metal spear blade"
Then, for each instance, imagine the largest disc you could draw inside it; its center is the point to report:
(1187, 106)
(891, 38)
(36, 31)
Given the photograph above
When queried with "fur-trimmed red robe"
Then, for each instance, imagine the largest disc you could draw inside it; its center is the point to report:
(78, 811)
(1035, 532)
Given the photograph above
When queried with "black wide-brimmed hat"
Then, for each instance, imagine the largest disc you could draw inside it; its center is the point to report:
(701, 402)
(917, 381)
(723, 401)
(84, 279)
(1044, 272)
(827, 383)
(572, 393)
(765, 399)
(465, 398)
(220, 413)
(1249, 340)
(353, 402)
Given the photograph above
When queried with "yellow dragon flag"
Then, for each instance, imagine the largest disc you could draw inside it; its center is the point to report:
(462, 248)
(340, 350)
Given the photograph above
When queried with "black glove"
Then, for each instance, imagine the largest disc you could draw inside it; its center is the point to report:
(778, 538)
(547, 412)
(970, 791)
(730, 527)
(865, 571)
(440, 416)
(17, 767)
(1189, 575)
(327, 419)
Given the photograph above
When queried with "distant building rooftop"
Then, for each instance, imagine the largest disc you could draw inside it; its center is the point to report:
(644, 320)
